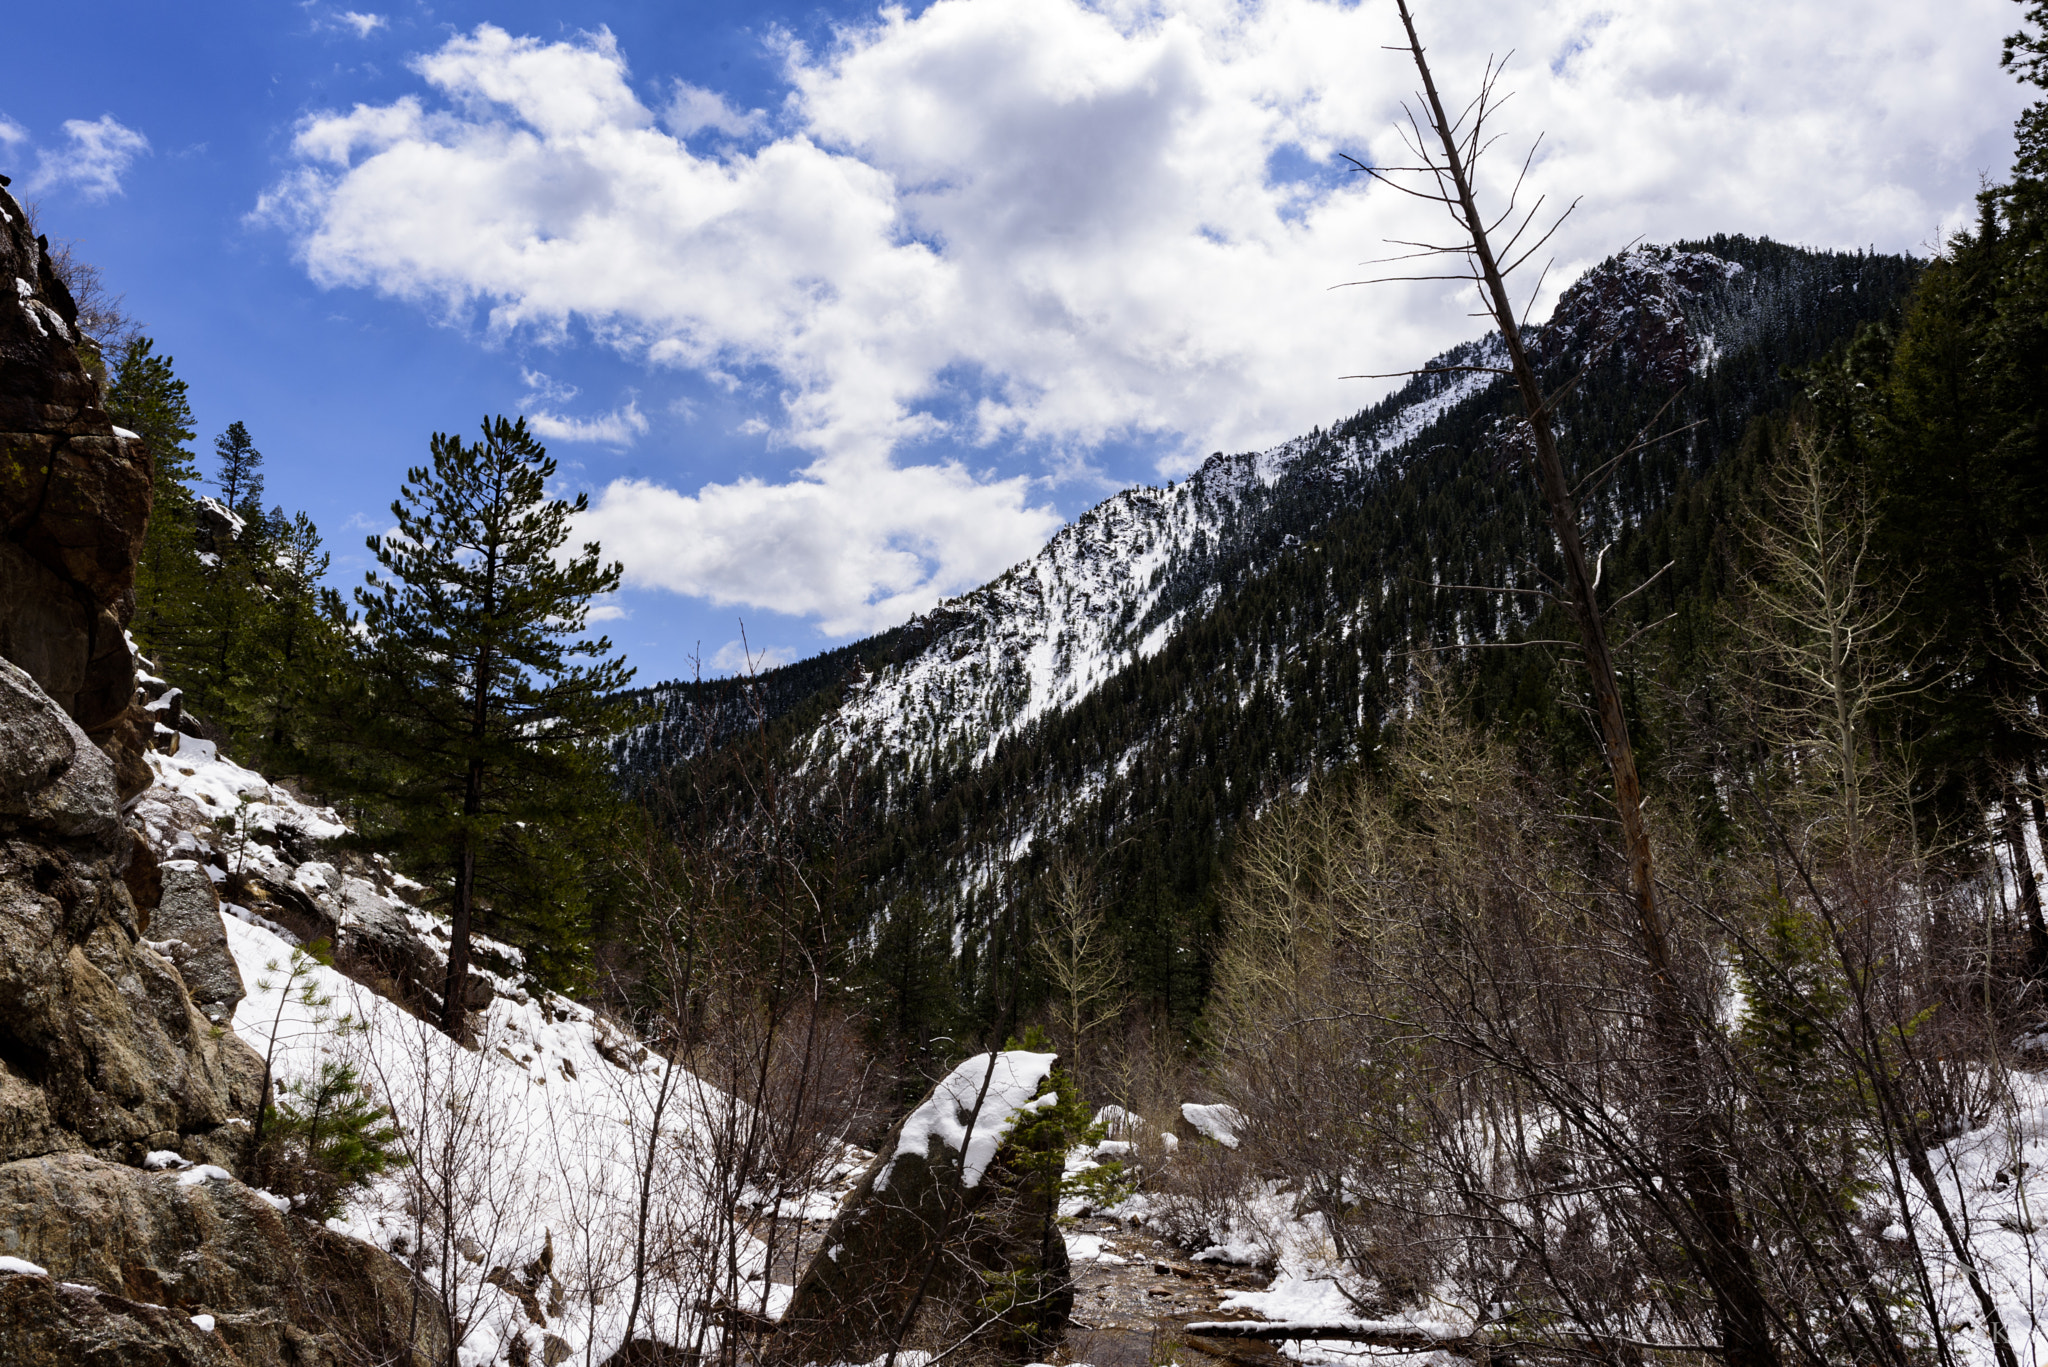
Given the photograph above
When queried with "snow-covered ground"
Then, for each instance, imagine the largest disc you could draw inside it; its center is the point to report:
(1991, 1178)
(540, 1133)
(538, 1136)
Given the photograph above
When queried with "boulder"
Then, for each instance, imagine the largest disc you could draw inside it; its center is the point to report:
(187, 925)
(100, 1044)
(158, 1248)
(74, 500)
(920, 1205)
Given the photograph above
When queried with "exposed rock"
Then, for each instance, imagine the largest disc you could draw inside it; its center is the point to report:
(219, 527)
(144, 879)
(922, 1204)
(99, 1039)
(159, 1248)
(1647, 302)
(74, 500)
(51, 1324)
(187, 920)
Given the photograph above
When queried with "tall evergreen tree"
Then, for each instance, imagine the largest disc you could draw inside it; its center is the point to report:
(241, 471)
(484, 702)
(146, 396)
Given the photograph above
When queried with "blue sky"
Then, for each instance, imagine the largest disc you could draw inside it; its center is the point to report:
(834, 310)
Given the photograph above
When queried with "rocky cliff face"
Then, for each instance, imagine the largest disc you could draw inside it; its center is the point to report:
(74, 499)
(106, 1063)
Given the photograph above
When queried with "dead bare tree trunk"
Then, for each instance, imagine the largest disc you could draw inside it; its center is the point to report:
(1721, 1252)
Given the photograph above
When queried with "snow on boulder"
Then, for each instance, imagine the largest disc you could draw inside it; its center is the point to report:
(1220, 1122)
(971, 1111)
(914, 1201)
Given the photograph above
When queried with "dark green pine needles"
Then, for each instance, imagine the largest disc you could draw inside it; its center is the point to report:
(483, 706)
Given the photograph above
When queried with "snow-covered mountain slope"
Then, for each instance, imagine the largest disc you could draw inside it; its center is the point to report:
(524, 1154)
(1109, 588)
(944, 690)
(1114, 585)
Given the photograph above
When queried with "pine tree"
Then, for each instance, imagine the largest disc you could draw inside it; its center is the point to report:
(147, 397)
(483, 702)
(241, 472)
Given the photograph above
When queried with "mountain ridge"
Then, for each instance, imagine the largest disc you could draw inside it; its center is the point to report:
(1110, 587)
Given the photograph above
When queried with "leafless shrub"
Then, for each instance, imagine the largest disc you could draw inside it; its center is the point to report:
(1432, 1006)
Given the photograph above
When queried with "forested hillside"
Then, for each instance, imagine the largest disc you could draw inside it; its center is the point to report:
(1180, 658)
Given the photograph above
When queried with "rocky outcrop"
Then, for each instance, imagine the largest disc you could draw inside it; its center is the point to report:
(100, 1044)
(105, 1059)
(145, 1253)
(74, 500)
(932, 1212)
(1649, 303)
(186, 926)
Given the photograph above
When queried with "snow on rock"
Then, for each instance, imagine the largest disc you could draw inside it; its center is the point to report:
(157, 1160)
(1220, 1122)
(1093, 1248)
(1010, 1079)
(204, 1172)
(22, 1266)
(204, 1323)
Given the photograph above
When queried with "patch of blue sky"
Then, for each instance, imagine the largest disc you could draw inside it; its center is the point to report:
(1309, 179)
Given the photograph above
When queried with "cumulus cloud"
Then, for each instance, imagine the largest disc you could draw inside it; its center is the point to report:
(737, 657)
(852, 542)
(93, 158)
(1059, 223)
(620, 427)
(692, 109)
(364, 24)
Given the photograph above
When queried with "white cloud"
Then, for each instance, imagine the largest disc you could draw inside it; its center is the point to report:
(11, 133)
(541, 389)
(737, 657)
(620, 427)
(95, 155)
(692, 109)
(854, 543)
(364, 24)
(1064, 221)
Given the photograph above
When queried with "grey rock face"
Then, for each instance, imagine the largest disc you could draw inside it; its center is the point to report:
(100, 1045)
(50, 774)
(187, 922)
(158, 1248)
